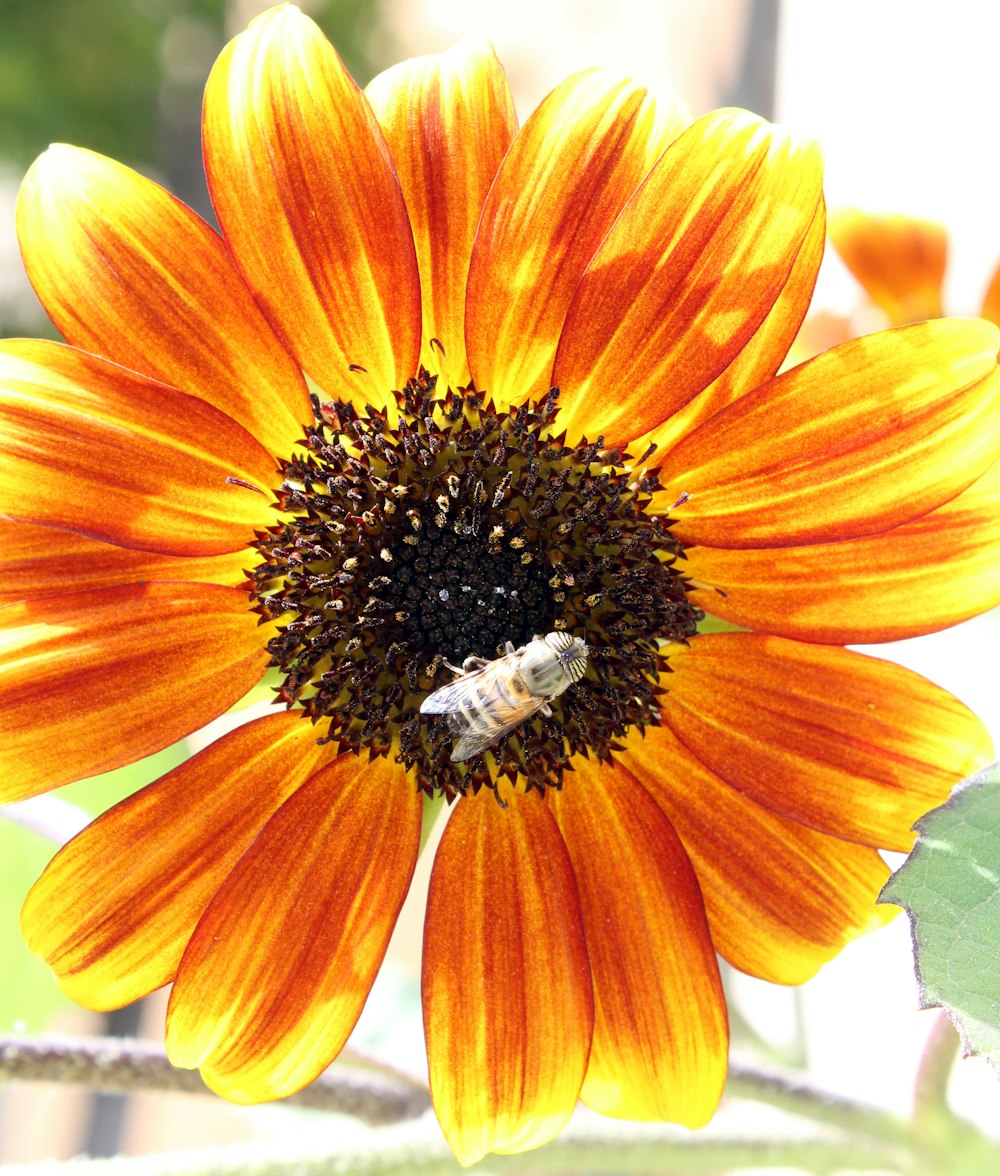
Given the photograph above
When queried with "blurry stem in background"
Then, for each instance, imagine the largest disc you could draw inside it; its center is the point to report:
(372, 1093)
(930, 1096)
(799, 1099)
(873, 1140)
(939, 1133)
(409, 1153)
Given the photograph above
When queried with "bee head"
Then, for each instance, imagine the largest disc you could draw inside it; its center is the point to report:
(551, 663)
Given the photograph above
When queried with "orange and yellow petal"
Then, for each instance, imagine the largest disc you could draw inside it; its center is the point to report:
(842, 742)
(863, 438)
(449, 120)
(45, 561)
(781, 899)
(569, 172)
(762, 356)
(115, 908)
(125, 270)
(90, 681)
(660, 1032)
(899, 260)
(686, 275)
(95, 448)
(924, 576)
(281, 963)
(308, 200)
(508, 1005)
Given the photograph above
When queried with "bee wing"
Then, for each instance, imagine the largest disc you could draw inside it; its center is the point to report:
(474, 740)
(466, 688)
(480, 708)
(449, 698)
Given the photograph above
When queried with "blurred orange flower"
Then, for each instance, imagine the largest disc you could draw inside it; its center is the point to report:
(402, 278)
(900, 262)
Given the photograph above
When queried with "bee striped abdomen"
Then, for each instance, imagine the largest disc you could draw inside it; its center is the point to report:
(484, 705)
(495, 699)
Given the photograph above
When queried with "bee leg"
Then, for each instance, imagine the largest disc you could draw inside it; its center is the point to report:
(510, 647)
(546, 710)
(474, 663)
(454, 669)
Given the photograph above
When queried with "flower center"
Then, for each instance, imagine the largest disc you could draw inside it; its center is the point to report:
(445, 531)
(455, 596)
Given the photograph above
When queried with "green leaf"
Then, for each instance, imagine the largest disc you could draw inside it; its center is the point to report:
(950, 888)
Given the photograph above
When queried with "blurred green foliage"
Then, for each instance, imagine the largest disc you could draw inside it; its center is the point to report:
(119, 76)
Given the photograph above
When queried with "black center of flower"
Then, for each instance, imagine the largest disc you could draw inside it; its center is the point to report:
(459, 598)
(445, 529)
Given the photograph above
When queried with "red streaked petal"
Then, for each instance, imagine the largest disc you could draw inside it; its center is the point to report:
(46, 561)
(762, 356)
(899, 260)
(90, 681)
(686, 275)
(660, 1032)
(448, 119)
(860, 439)
(508, 1006)
(781, 899)
(845, 743)
(280, 965)
(571, 169)
(926, 575)
(115, 907)
(97, 449)
(308, 199)
(127, 271)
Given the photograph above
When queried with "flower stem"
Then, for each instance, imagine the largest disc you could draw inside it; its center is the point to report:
(703, 1157)
(800, 1099)
(944, 1141)
(930, 1095)
(416, 1149)
(874, 1140)
(111, 1064)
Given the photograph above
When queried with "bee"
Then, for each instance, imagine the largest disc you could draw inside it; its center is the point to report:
(489, 699)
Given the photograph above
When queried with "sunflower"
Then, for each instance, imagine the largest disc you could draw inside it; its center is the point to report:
(442, 384)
